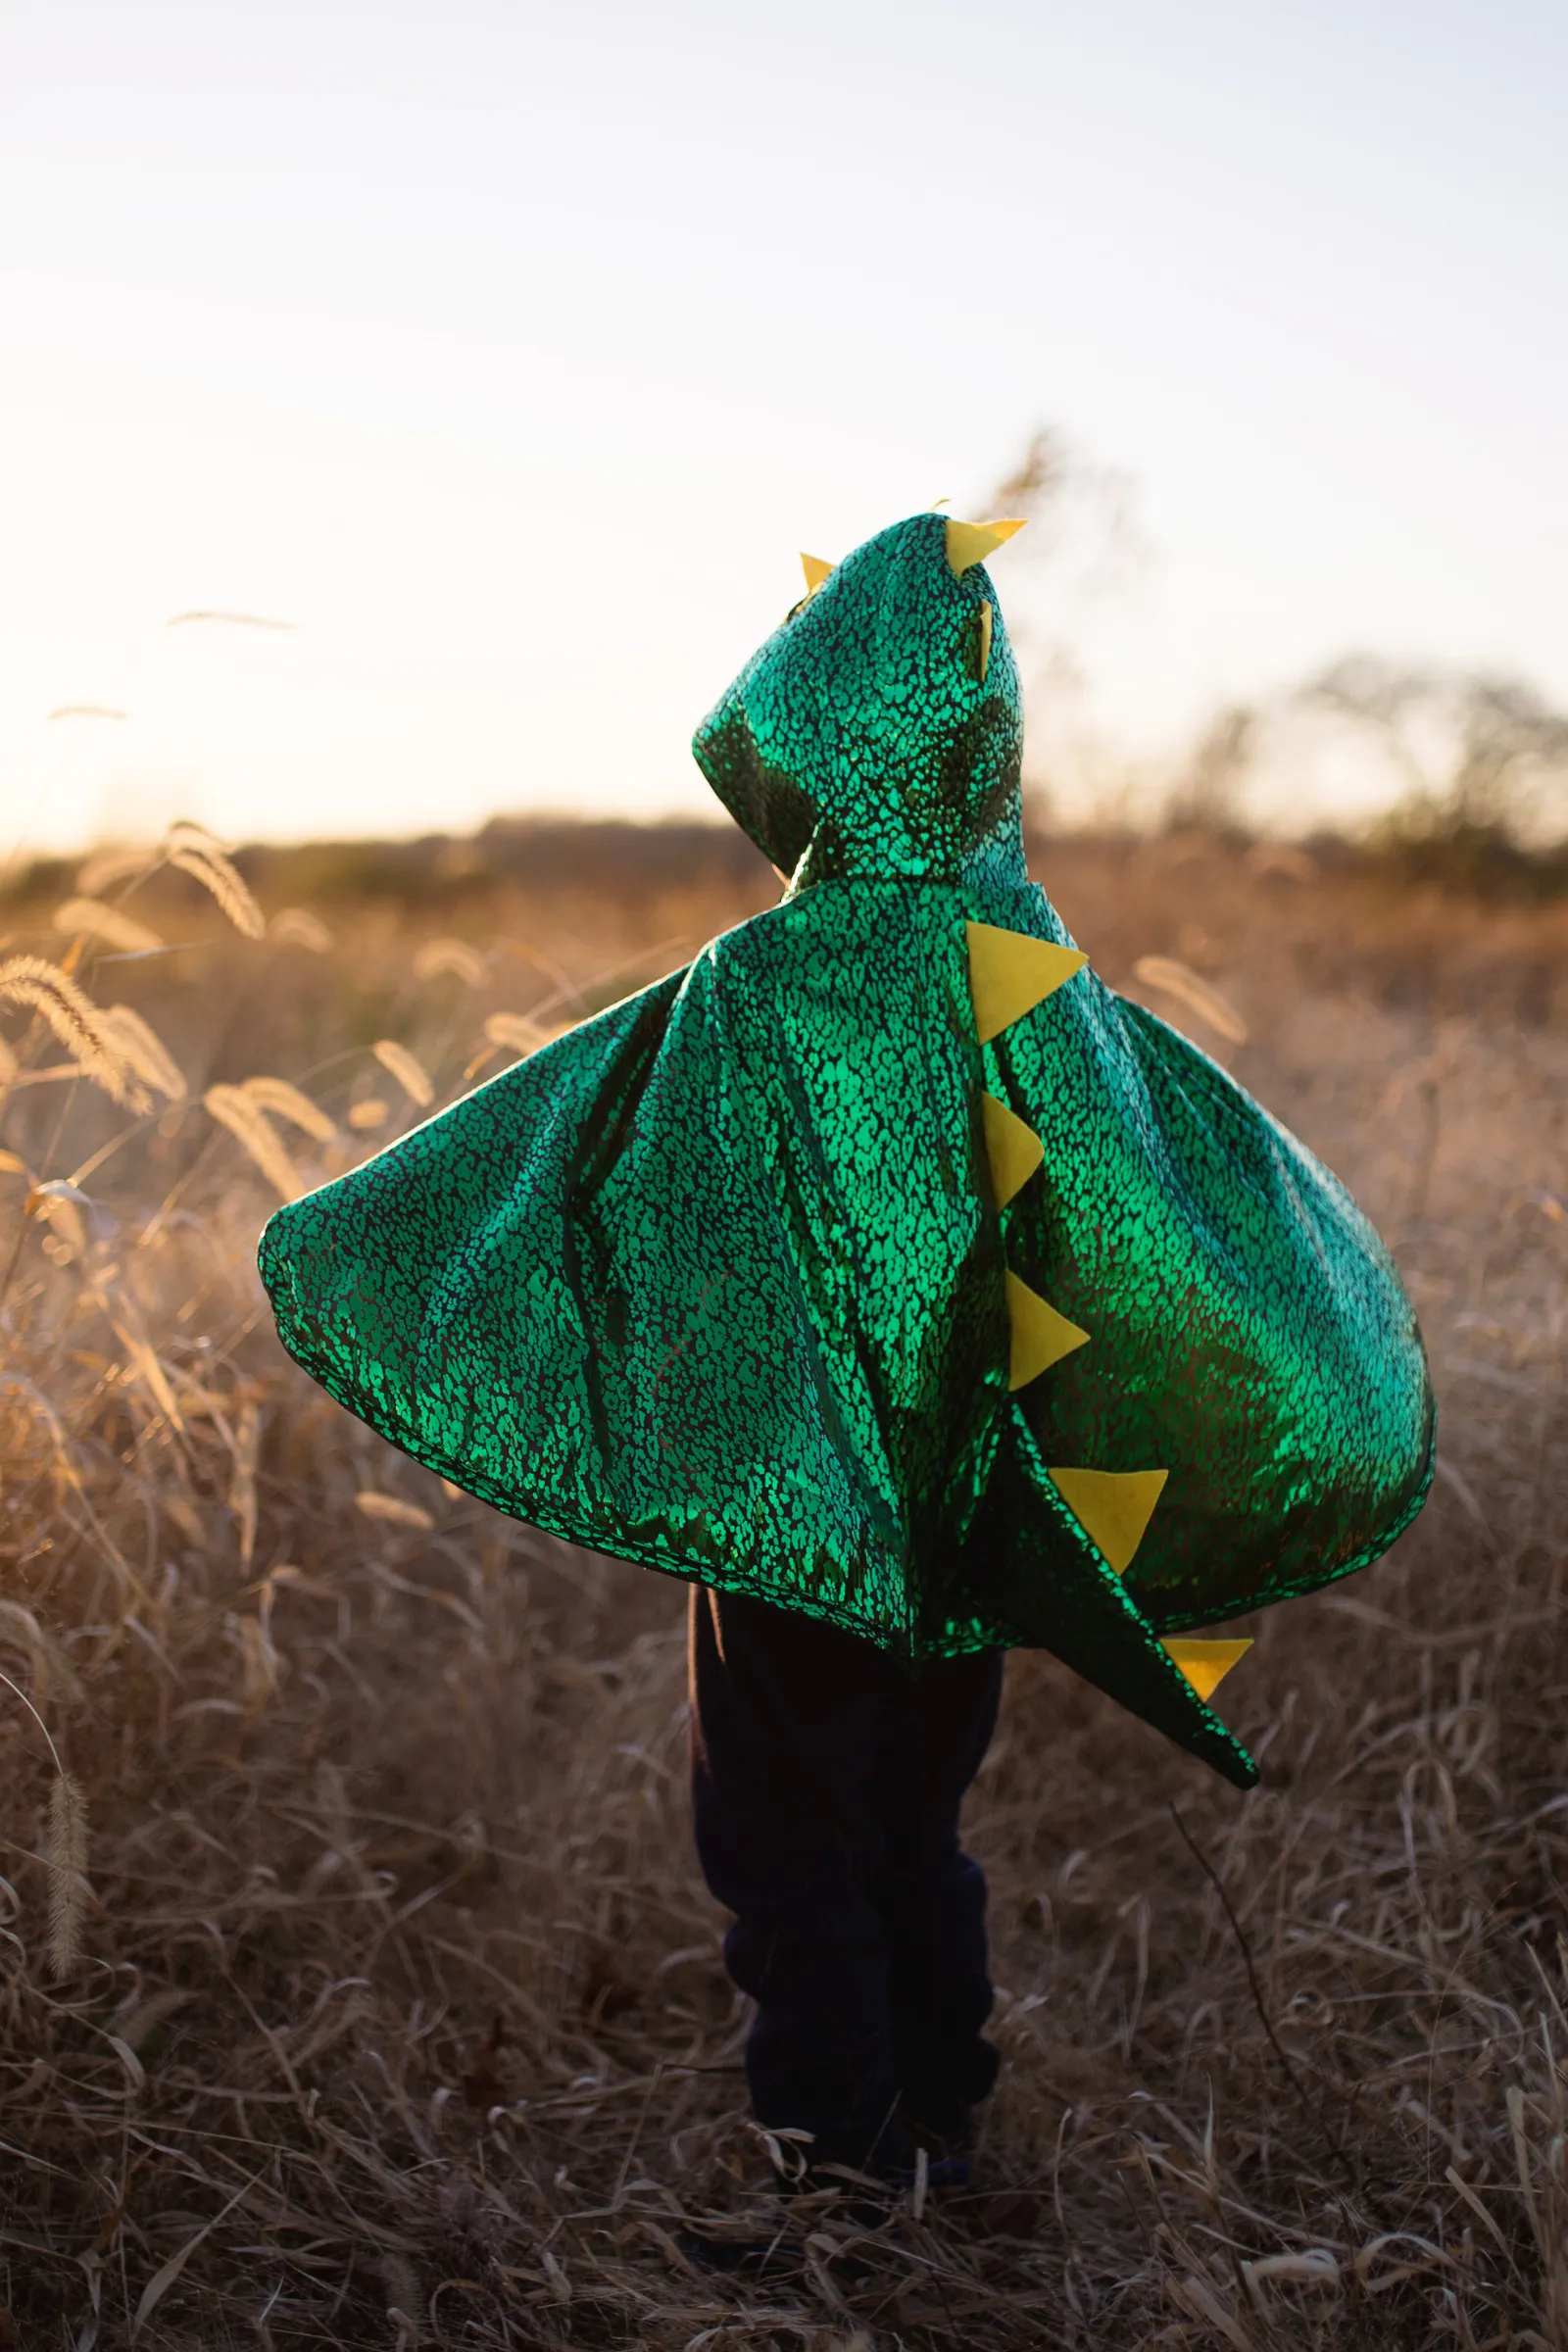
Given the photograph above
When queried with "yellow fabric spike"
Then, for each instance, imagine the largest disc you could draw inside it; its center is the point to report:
(1113, 1507)
(1206, 1664)
(971, 541)
(1009, 974)
(1013, 1149)
(1041, 1337)
(983, 650)
(816, 572)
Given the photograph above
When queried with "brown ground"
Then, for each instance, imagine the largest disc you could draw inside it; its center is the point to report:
(395, 2013)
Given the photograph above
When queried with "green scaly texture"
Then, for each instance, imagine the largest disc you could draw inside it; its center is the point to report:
(716, 1282)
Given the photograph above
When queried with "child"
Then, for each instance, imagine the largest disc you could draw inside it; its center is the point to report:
(913, 1296)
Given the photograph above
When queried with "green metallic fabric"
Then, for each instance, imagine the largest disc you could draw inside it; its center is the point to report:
(716, 1282)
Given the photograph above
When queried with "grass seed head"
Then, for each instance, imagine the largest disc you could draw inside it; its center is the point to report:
(232, 1107)
(449, 955)
(407, 1069)
(515, 1032)
(286, 1102)
(145, 1051)
(197, 853)
(92, 919)
(298, 927)
(107, 868)
(64, 1007)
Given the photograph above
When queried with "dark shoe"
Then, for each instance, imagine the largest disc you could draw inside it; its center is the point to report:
(838, 2195)
(948, 2139)
(940, 2172)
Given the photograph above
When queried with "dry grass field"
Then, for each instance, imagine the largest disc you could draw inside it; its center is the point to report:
(377, 2000)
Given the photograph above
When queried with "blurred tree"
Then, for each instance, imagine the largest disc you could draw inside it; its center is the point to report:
(1471, 765)
(1082, 551)
(1045, 467)
(1206, 794)
(1483, 758)
(1083, 543)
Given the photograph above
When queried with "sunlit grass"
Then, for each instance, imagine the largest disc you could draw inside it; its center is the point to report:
(387, 1994)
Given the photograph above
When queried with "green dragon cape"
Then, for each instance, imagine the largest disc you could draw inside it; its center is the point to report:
(883, 1263)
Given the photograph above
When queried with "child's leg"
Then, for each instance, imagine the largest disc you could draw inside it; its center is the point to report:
(826, 1784)
(785, 1721)
(931, 1895)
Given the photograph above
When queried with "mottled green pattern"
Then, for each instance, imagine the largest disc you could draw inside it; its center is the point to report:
(716, 1282)
(860, 739)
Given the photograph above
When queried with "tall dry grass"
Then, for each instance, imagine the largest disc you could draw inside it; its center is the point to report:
(357, 1985)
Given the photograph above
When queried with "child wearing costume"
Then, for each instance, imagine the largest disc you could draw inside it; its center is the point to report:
(916, 1298)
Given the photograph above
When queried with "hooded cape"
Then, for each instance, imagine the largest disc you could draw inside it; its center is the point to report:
(883, 1263)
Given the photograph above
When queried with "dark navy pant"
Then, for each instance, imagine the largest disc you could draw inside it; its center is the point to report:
(827, 1780)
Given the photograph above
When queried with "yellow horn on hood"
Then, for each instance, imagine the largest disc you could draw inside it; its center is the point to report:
(971, 541)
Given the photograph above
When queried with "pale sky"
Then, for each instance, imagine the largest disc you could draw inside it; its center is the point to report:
(512, 351)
